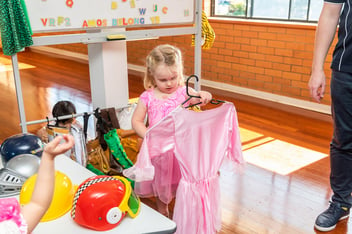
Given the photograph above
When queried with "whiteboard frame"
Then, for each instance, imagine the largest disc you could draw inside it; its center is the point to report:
(56, 16)
(101, 37)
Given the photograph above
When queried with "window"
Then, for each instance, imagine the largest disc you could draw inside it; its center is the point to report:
(293, 10)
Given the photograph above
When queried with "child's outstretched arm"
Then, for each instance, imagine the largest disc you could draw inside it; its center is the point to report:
(44, 187)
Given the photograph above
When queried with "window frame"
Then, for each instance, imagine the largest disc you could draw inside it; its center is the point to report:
(249, 13)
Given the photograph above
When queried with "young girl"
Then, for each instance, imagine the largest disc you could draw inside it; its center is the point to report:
(165, 90)
(14, 219)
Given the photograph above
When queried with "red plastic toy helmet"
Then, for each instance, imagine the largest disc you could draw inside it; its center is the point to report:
(101, 202)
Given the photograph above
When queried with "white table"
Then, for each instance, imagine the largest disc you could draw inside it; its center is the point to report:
(148, 220)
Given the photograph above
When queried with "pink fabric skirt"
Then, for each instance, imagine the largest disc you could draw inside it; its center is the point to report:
(166, 178)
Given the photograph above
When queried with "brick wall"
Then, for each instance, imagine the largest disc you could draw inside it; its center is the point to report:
(270, 57)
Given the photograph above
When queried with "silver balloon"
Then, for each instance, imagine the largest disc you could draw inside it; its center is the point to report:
(24, 164)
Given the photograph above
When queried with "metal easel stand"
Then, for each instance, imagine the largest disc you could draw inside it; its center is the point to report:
(198, 45)
(19, 95)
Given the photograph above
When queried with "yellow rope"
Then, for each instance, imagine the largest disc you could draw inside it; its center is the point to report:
(208, 34)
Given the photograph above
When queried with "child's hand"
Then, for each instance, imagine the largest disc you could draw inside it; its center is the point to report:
(56, 147)
(205, 97)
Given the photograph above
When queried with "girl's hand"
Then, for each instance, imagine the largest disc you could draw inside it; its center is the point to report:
(205, 97)
(56, 146)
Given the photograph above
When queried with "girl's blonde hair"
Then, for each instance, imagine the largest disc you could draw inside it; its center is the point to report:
(163, 54)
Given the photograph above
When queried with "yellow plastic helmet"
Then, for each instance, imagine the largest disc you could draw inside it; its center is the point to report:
(62, 198)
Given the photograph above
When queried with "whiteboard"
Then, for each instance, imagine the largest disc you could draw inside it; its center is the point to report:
(64, 15)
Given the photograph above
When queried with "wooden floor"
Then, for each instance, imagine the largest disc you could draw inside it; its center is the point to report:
(260, 200)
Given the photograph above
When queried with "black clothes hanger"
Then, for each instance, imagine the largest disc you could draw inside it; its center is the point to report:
(190, 96)
(48, 125)
(212, 101)
(85, 124)
(216, 101)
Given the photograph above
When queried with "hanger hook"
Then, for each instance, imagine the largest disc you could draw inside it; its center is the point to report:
(187, 81)
(96, 113)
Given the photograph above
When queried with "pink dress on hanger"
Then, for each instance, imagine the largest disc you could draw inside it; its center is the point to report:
(167, 165)
(201, 142)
